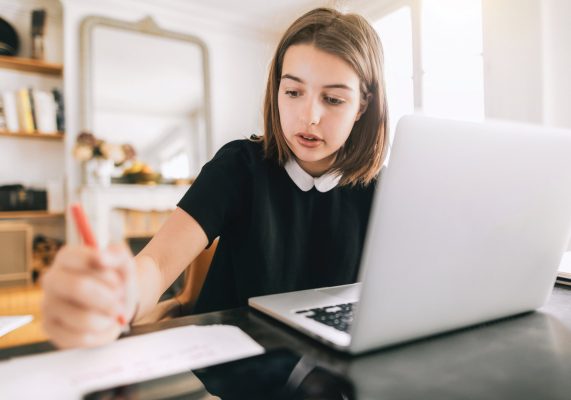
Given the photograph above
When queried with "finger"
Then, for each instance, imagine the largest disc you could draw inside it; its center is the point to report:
(83, 290)
(85, 260)
(77, 258)
(64, 338)
(108, 277)
(79, 319)
(116, 256)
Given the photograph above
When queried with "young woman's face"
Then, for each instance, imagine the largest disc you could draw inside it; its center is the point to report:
(318, 102)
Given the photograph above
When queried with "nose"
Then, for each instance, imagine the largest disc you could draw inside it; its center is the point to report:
(312, 112)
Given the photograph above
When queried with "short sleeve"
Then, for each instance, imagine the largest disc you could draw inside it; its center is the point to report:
(218, 193)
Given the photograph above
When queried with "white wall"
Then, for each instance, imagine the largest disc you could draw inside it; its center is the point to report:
(527, 60)
(513, 81)
(557, 62)
(19, 14)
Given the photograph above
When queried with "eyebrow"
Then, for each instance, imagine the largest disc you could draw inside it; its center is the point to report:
(332, 86)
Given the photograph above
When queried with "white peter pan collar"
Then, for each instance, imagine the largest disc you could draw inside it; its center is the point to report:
(305, 182)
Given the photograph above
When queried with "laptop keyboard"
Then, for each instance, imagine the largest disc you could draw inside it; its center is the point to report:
(339, 316)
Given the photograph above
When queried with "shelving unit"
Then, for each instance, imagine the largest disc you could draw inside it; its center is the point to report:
(39, 152)
(30, 65)
(37, 67)
(4, 215)
(36, 135)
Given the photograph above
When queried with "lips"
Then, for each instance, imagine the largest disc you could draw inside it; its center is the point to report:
(308, 136)
(308, 140)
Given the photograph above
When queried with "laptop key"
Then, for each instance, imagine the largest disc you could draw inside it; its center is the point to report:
(339, 316)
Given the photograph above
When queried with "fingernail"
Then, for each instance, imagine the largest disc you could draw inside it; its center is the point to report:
(121, 319)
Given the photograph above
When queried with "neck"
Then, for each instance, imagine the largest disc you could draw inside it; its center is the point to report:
(316, 168)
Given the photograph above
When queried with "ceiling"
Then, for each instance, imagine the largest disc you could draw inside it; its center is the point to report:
(262, 16)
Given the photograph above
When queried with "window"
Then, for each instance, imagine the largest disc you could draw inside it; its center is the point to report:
(453, 80)
(449, 65)
(395, 31)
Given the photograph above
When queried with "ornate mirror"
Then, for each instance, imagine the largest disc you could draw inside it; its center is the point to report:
(147, 87)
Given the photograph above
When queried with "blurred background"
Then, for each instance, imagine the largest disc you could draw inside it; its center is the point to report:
(117, 104)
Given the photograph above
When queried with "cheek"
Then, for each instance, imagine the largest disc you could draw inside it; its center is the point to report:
(342, 122)
(286, 114)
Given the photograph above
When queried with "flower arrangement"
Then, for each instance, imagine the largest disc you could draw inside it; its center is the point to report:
(88, 147)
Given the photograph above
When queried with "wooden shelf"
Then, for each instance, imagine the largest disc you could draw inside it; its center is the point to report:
(29, 214)
(30, 65)
(35, 135)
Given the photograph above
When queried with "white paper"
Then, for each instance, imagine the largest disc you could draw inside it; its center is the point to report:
(71, 373)
(565, 265)
(10, 322)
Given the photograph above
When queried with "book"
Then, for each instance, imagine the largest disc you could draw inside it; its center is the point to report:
(45, 109)
(60, 121)
(10, 322)
(11, 111)
(25, 111)
(32, 108)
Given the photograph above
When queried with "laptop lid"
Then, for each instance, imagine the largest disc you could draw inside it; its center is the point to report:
(469, 224)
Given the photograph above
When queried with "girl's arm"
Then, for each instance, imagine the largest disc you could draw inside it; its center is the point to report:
(179, 241)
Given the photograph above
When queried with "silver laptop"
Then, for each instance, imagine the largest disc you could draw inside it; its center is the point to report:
(468, 225)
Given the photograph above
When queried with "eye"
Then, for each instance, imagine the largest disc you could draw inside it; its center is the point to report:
(333, 100)
(292, 93)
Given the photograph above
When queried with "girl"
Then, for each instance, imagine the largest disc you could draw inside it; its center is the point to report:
(290, 207)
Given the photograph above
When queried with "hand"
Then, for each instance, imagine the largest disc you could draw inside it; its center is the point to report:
(87, 295)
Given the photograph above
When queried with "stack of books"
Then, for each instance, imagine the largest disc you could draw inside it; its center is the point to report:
(32, 110)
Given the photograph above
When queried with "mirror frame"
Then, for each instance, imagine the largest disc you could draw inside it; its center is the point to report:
(145, 26)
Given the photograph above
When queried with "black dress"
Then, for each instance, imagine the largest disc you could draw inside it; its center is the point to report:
(274, 237)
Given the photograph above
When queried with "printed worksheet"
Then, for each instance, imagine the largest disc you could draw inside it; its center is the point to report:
(69, 374)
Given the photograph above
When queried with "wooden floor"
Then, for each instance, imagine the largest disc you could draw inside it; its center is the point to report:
(22, 301)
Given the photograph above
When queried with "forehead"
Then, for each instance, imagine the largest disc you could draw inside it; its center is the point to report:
(315, 66)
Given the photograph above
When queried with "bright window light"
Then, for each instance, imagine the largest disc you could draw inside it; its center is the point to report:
(453, 80)
(395, 32)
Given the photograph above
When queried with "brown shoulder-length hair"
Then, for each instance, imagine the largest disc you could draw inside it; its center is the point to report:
(353, 39)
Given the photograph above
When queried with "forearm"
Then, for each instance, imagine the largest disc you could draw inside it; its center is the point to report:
(164, 259)
(150, 285)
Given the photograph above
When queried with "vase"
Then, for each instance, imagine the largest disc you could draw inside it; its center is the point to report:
(97, 172)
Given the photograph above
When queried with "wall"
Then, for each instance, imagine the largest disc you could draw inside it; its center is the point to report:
(556, 17)
(238, 60)
(527, 60)
(513, 80)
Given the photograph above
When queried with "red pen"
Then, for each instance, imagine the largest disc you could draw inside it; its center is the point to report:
(87, 236)
(83, 225)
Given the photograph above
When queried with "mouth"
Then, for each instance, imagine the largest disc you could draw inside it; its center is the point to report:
(309, 137)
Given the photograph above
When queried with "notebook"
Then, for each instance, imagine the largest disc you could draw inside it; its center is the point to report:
(469, 223)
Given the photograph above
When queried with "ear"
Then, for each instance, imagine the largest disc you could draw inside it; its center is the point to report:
(363, 106)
